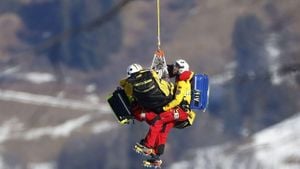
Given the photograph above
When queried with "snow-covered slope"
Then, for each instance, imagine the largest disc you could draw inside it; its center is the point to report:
(279, 146)
(36, 124)
(274, 148)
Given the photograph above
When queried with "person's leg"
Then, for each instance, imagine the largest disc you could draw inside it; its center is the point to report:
(153, 132)
(169, 119)
(151, 117)
(148, 144)
(159, 129)
(162, 137)
(141, 114)
(174, 115)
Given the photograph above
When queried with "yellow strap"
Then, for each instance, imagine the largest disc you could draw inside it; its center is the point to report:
(158, 23)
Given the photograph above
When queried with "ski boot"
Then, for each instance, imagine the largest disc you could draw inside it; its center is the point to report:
(153, 162)
(141, 149)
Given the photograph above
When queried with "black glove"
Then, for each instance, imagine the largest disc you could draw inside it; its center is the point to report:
(170, 70)
(185, 106)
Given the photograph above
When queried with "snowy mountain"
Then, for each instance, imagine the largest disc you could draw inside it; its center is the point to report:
(33, 123)
(276, 147)
(54, 83)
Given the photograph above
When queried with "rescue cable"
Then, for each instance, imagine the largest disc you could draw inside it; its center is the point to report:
(158, 23)
(159, 61)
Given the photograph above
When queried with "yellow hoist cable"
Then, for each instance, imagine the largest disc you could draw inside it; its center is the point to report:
(158, 23)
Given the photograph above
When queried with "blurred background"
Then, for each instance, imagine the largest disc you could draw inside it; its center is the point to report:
(61, 59)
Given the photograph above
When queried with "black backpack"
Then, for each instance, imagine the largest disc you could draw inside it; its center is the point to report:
(147, 91)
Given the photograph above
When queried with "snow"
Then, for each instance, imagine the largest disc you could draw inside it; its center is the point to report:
(10, 71)
(23, 97)
(41, 166)
(224, 77)
(181, 165)
(273, 54)
(103, 127)
(276, 147)
(8, 128)
(90, 88)
(62, 130)
(33, 77)
(281, 143)
(46, 165)
(14, 129)
(38, 77)
(2, 164)
(92, 98)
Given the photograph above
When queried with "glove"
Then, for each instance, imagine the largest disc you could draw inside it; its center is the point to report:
(170, 71)
(185, 106)
(127, 120)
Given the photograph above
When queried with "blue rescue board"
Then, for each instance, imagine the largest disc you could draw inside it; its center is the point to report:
(200, 92)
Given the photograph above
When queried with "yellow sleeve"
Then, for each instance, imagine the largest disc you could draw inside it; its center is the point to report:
(181, 89)
(123, 82)
(166, 87)
(127, 87)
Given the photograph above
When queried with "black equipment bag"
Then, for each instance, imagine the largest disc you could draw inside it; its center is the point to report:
(147, 92)
(120, 105)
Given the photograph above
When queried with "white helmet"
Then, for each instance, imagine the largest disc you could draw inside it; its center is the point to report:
(182, 65)
(133, 68)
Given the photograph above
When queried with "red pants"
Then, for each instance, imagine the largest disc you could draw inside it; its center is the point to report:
(160, 126)
(141, 114)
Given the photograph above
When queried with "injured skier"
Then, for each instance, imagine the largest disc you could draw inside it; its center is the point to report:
(160, 108)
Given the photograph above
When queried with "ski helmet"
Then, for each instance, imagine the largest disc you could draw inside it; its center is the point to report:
(182, 65)
(133, 68)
